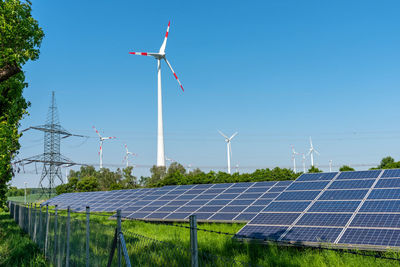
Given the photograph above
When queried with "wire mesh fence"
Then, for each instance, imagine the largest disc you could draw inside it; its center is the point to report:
(79, 241)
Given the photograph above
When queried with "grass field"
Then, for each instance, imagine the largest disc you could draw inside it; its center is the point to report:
(16, 249)
(30, 198)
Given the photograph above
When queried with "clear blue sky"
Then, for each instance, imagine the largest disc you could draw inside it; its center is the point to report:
(275, 71)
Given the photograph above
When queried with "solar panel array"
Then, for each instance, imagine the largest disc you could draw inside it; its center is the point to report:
(230, 202)
(359, 209)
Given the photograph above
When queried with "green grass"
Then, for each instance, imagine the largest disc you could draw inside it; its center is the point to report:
(30, 198)
(158, 244)
(16, 249)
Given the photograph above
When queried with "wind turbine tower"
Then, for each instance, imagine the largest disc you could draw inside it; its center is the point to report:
(228, 148)
(101, 139)
(126, 158)
(311, 152)
(294, 153)
(160, 132)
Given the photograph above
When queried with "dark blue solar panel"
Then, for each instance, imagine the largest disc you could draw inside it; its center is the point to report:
(376, 220)
(176, 203)
(234, 190)
(188, 209)
(388, 183)
(223, 216)
(352, 184)
(262, 202)
(214, 191)
(381, 206)
(221, 186)
(254, 209)
(277, 189)
(218, 202)
(317, 176)
(261, 232)
(246, 185)
(245, 216)
(168, 208)
(235, 209)
(283, 183)
(307, 185)
(299, 195)
(334, 206)
(385, 194)
(258, 190)
(194, 191)
(275, 218)
(287, 206)
(227, 196)
(249, 196)
(203, 215)
(391, 173)
(359, 174)
(203, 186)
(186, 197)
(377, 237)
(157, 215)
(204, 196)
(263, 184)
(177, 216)
(324, 219)
(197, 202)
(343, 194)
(210, 209)
(313, 234)
(244, 202)
(269, 195)
(138, 215)
(148, 208)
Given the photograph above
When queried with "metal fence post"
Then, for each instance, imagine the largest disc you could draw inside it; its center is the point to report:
(34, 224)
(68, 232)
(87, 235)
(118, 238)
(29, 219)
(193, 241)
(47, 230)
(55, 234)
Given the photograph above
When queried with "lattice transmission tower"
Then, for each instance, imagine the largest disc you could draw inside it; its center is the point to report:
(51, 158)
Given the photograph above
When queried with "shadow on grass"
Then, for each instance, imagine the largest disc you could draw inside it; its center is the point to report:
(16, 248)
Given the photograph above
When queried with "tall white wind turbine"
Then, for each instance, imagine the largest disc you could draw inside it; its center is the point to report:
(127, 153)
(101, 145)
(228, 148)
(294, 153)
(304, 162)
(160, 132)
(330, 165)
(311, 152)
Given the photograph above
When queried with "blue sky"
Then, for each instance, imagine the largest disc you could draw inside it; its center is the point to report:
(275, 71)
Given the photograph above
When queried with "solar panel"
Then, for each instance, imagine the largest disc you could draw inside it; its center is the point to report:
(358, 209)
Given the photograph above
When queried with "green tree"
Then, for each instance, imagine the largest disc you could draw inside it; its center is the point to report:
(129, 181)
(314, 169)
(346, 168)
(157, 174)
(88, 184)
(20, 39)
(174, 167)
(388, 163)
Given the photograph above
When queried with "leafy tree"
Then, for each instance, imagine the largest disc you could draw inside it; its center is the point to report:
(174, 167)
(87, 184)
(388, 163)
(346, 168)
(129, 180)
(20, 39)
(314, 169)
(157, 174)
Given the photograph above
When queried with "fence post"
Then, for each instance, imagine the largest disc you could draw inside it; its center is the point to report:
(118, 238)
(29, 219)
(47, 230)
(40, 226)
(68, 232)
(55, 234)
(193, 241)
(35, 224)
(87, 234)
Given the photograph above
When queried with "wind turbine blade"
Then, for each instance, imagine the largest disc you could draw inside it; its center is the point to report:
(311, 142)
(106, 138)
(173, 72)
(316, 152)
(222, 134)
(164, 44)
(96, 131)
(230, 149)
(145, 54)
(233, 135)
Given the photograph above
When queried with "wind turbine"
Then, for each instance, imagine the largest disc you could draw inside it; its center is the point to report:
(304, 162)
(127, 155)
(228, 147)
(311, 152)
(294, 153)
(101, 145)
(330, 165)
(160, 134)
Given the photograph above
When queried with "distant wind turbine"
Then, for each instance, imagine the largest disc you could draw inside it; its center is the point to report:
(330, 166)
(228, 148)
(101, 145)
(160, 134)
(126, 158)
(294, 153)
(311, 152)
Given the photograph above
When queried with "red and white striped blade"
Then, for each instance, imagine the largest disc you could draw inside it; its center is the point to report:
(144, 54)
(164, 44)
(173, 72)
(100, 150)
(96, 131)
